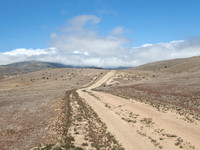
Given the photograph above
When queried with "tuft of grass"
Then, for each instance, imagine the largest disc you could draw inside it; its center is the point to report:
(48, 146)
(84, 144)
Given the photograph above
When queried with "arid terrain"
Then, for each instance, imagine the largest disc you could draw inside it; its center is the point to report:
(153, 106)
(29, 104)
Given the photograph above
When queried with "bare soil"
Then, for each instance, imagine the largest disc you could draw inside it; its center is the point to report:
(97, 109)
(179, 91)
(29, 105)
(135, 122)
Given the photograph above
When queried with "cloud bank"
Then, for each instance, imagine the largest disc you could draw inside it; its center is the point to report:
(79, 44)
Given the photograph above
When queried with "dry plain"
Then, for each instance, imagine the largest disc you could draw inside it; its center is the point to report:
(154, 106)
(30, 102)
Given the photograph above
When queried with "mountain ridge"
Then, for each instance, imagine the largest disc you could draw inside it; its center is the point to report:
(172, 66)
(165, 66)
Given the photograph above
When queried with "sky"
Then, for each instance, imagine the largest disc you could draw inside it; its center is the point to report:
(102, 33)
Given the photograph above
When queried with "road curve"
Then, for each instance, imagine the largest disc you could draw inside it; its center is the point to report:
(126, 134)
(123, 132)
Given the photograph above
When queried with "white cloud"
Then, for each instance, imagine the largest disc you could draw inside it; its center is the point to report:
(30, 52)
(80, 52)
(118, 31)
(23, 54)
(79, 44)
(79, 24)
(76, 35)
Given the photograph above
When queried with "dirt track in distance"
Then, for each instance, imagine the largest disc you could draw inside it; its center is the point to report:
(135, 123)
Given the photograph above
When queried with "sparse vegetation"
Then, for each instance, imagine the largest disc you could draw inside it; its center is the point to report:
(79, 127)
(76, 110)
(39, 99)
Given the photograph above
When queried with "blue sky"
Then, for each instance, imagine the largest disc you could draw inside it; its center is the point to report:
(30, 24)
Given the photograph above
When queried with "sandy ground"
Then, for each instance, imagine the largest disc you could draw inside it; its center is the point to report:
(139, 126)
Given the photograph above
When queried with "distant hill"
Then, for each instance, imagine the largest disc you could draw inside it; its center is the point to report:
(31, 66)
(28, 66)
(172, 66)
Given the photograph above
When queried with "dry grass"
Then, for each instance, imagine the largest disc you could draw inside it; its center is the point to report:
(80, 127)
(29, 104)
(163, 90)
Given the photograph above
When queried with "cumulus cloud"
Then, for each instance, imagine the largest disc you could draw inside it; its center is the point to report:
(118, 31)
(76, 36)
(29, 52)
(78, 24)
(23, 54)
(79, 44)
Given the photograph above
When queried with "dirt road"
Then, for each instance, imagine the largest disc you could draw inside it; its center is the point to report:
(139, 126)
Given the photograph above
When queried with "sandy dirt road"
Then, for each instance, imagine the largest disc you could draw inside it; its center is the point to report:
(139, 126)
